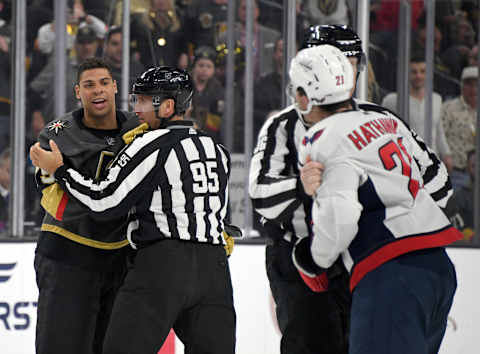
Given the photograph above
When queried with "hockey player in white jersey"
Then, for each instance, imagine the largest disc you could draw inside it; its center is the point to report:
(373, 211)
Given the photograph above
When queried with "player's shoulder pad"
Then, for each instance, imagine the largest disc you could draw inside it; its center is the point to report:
(61, 129)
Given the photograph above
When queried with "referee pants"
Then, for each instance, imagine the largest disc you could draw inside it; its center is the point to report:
(175, 284)
(311, 323)
(402, 306)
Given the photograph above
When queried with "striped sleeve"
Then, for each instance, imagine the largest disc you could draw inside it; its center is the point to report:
(434, 172)
(274, 190)
(127, 180)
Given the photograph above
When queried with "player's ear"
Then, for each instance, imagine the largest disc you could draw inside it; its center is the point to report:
(115, 86)
(77, 91)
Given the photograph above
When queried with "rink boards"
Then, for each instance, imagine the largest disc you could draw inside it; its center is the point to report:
(256, 329)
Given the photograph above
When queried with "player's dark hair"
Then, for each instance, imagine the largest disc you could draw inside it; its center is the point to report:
(301, 91)
(92, 63)
(334, 107)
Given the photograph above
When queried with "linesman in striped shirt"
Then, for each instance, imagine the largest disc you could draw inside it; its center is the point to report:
(173, 183)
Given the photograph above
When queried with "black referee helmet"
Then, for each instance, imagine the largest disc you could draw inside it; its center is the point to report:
(164, 82)
(340, 36)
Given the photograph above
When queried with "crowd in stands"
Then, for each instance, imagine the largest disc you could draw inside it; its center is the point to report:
(192, 34)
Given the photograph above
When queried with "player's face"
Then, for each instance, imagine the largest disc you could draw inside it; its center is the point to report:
(354, 62)
(301, 100)
(417, 75)
(96, 89)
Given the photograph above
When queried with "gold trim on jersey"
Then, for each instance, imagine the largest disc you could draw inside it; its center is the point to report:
(83, 240)
(51, 197)
(100, 162)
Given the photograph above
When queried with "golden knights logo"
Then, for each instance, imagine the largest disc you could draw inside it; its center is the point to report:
(58, 125)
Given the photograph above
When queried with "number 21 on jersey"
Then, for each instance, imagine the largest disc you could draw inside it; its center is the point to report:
(387, 153)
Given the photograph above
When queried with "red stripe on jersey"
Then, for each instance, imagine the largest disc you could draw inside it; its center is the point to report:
(402, 246)
(61, 206)
(168, 346)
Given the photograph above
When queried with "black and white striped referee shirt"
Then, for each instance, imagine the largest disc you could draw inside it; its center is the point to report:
(274, 181)
(172, 182)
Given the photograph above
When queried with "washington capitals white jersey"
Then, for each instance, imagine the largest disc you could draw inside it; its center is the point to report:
(371, 206)
(274, 174)
(434, 172)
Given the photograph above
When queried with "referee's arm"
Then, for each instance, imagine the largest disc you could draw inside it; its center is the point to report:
(276, 192)
(130, 178)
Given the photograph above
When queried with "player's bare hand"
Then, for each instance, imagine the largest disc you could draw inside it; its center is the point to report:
(311, 175)
(48, 161)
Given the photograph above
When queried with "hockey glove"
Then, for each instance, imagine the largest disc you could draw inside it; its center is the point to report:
(314, 277)
(230, 232)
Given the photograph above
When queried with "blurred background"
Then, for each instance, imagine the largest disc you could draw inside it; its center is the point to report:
(422, 62)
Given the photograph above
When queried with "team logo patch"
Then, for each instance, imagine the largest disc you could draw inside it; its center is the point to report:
(110, 140)
(58, 125)
(311, 140)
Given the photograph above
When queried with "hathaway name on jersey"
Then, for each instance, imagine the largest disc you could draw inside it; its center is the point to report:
(372, 130)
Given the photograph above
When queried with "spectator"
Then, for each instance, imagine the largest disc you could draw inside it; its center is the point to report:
(158, 35)
(4, 189)
(417, 109)
(444, 83)
(113, 57)
(325, 12)
(5, 65)
(456, 56)
(46, 33)
(263, 38)
(270, 86)
(208, 99)
(464, 199)
(471, 10)
(473, 56)
(221, 61)
(459, 117)
(207, 23)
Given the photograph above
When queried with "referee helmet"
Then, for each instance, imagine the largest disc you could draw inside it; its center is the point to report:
(165, 82)
(340, 36)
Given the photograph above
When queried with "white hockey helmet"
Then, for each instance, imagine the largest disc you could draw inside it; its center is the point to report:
(324, 73)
